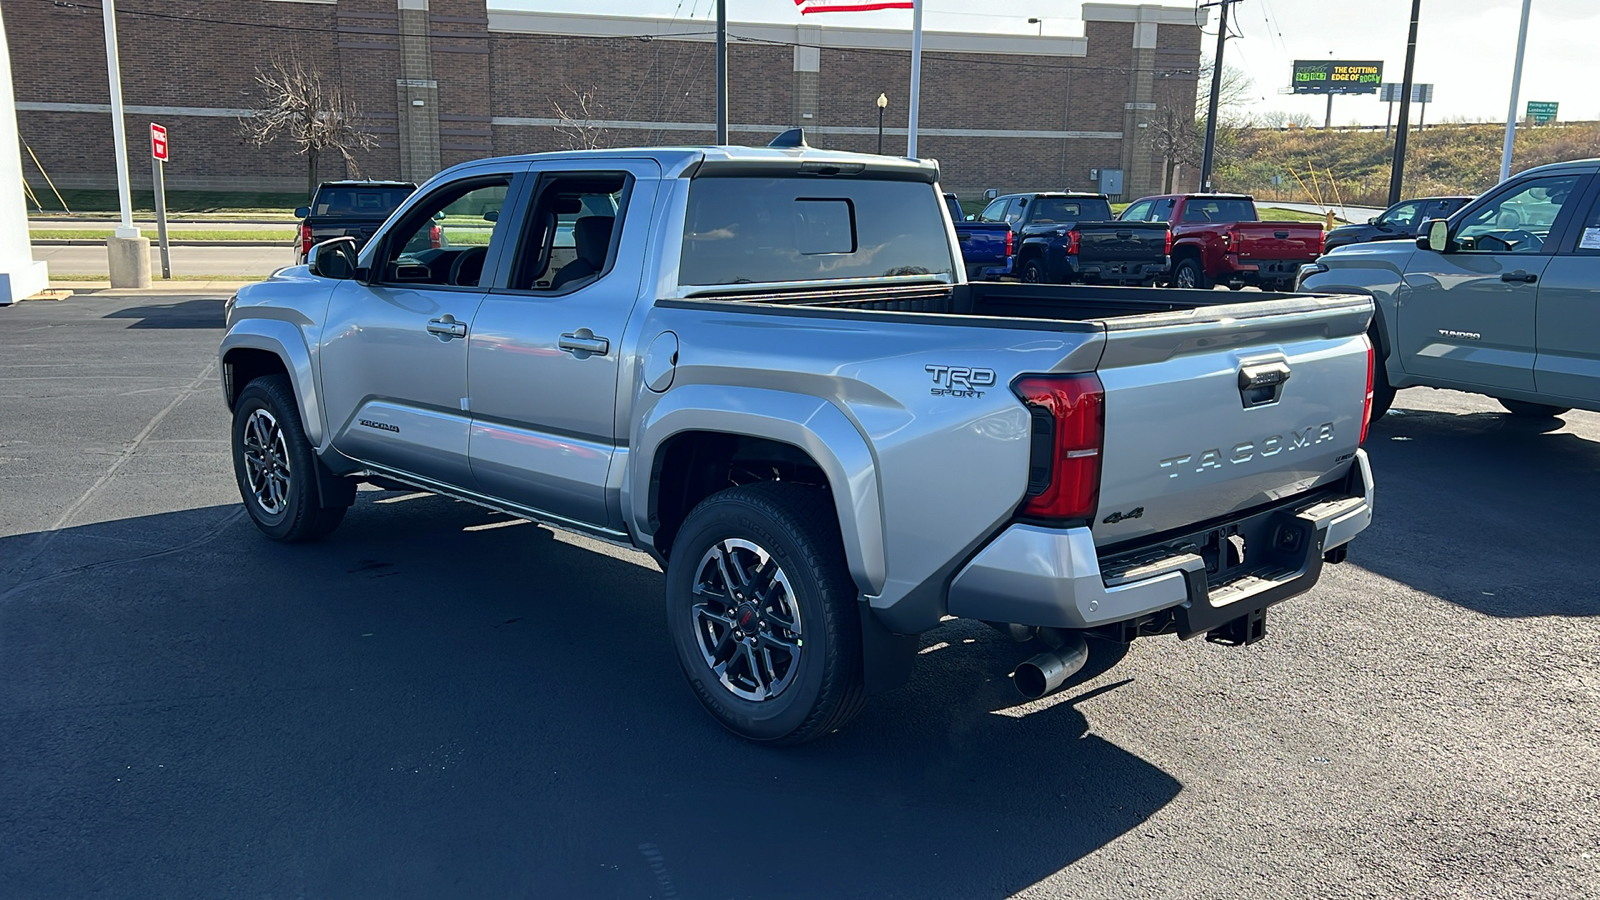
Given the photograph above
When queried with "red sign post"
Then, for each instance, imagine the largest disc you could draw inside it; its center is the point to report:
(159, 151)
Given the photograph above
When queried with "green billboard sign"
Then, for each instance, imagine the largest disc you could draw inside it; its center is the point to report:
(1336, 76)
(1542, 112)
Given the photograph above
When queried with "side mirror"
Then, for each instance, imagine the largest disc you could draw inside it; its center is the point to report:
(492, 215)
(439, 216)
(1372, 221)
(1435, 236)
(972, 217)
(302, 212)
(333, 258)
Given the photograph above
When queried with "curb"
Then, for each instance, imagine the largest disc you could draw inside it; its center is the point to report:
(217, 291)
(76, 222)
(79, 242)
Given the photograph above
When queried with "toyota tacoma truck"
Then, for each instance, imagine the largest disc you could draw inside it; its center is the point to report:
(764, 368)
(1072, 238)
(986, 247)
(347, 208)
(1219, 239)
(1502, 298)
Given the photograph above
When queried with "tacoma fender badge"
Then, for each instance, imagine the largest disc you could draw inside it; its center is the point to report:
(381, 426)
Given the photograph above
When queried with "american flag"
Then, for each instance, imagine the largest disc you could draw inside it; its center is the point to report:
(816, 6)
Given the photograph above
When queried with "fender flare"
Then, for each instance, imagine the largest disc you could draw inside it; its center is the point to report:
(285, 341)
(811, 424)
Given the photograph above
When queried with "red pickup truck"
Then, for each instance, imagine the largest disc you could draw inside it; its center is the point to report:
(1219, 239)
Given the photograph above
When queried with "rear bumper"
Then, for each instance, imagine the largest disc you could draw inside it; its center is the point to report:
(1118, 271)
(1054, 577)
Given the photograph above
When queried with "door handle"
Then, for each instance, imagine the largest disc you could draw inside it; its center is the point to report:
(447, 328)
(584, 341)
(1520, 276)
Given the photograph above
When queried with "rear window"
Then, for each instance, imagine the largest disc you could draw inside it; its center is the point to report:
(762, 230)
(366, 202)
(1219, 210)
(1062, 211)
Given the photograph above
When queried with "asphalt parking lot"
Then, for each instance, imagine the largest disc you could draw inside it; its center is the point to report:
(438, 702)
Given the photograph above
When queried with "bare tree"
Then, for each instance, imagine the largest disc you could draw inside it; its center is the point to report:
(1237, 95)
(315, 116)
(581, 119)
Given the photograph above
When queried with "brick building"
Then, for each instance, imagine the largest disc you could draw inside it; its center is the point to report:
(443, 81)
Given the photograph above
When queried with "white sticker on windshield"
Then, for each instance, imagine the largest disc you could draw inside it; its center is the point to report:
(1591, 239)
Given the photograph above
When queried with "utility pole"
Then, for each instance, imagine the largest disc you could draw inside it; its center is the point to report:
(1398, 172)
(1516, 88)
(128, 254)
(722, 71)
(1216, 96)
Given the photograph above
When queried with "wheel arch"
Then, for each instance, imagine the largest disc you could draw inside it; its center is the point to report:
(697, 436)
(266, 347)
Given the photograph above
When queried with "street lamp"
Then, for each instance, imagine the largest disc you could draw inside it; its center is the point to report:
(1038, 22)
(883, 103)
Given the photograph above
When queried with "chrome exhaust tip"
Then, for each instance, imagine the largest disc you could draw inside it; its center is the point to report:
(1048, 671)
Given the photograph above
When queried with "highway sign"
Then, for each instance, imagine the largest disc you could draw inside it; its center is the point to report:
(1542, 112)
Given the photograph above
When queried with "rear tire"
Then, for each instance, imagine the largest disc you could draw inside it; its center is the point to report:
(1033, 271)
(1188, 273)
(763, 613)
(275, 465)
(1533, 410)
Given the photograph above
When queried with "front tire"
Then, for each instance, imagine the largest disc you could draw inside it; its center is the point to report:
(275, 465)
(1533, 410)
(762, 613)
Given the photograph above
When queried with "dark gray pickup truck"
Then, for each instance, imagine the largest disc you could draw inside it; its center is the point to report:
(1502, 298)
(348, 209)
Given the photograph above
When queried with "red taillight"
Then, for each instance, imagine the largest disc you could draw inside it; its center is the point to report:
(433, 237)
(305, 239)
(1169, 241)
(1073, 240)
(1068, 414)
(1009, 238)
(1234, 240)
(1322, 241)
(1366, 408)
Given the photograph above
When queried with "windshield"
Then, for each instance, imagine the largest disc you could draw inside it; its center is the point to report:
(763, 230)
(1064, 210)
(354, 200)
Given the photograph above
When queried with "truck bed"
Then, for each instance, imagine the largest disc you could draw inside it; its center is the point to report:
(1084, 308)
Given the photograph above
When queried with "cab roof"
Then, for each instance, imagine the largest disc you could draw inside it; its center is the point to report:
(687, 162)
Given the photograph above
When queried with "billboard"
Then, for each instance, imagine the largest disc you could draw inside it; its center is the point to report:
(1392, 92)
(1336, 76)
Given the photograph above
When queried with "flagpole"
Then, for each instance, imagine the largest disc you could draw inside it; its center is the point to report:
(916, 77)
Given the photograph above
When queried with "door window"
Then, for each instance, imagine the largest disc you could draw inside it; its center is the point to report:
(995, 211)
(1588, 241)
(1517, 221)
(1015, 210)
(444, 240)
(1137, 212)
(1401, 215)
(570, 238)
(1162, 211)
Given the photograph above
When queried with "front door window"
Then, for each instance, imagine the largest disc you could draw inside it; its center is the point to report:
(1518, 221)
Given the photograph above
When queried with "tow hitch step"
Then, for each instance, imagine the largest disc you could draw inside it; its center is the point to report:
(1247, 629)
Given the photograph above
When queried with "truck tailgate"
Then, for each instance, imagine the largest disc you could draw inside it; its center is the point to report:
(1224, 408)
(1122, 242)
(982, 242)
(1277, 240)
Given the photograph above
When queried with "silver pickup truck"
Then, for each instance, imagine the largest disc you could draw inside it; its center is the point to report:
(764, 368)
(1502, 299)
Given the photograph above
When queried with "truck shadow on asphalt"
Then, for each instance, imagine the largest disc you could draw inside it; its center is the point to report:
(204, 312)
(421, 706)
(1469, 503)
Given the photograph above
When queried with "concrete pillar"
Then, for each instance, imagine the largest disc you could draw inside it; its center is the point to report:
(417, 95)
(21, 275)
(130, 261)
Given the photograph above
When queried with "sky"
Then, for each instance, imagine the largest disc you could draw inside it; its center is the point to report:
(1465, 48)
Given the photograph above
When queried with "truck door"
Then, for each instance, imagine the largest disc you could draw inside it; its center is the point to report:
(546, 346)
(1569, 312)
(394, 350)
(1468, 315)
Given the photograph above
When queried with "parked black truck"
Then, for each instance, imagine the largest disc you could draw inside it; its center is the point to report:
(1072, 238)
